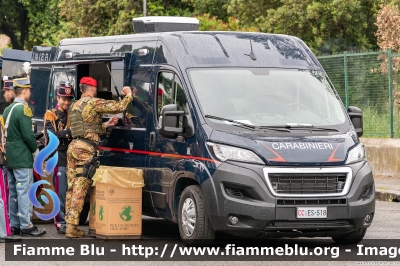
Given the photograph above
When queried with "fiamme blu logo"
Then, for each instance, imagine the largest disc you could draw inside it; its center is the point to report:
(49, 165)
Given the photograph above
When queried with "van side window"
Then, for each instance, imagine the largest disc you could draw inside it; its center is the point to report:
(179, 95)
(164, 90)
(170, 91)
(137, 111)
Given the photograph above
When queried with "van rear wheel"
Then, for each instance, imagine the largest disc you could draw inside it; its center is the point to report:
(194, 226)
(351, 238)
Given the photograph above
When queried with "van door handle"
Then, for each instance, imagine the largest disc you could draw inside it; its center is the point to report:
(152, 141)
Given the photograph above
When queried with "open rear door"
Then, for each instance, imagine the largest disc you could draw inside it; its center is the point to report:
(40, 78)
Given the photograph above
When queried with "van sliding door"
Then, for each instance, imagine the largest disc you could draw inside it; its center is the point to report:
(125, 143)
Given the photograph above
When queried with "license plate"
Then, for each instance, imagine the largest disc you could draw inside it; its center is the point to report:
(312, 212)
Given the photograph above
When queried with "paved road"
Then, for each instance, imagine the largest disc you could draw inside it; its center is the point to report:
(385, 226)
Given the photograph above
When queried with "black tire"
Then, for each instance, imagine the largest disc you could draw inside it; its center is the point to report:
(351, 238)
(84, 213)
(202, 233)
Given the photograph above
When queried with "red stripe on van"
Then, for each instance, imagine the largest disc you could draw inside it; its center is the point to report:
(160, 154)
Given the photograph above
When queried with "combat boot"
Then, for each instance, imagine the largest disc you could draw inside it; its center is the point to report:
(73, 232)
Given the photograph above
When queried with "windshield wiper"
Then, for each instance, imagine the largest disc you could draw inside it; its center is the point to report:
(230, 120)
(293, 126)
(276, 128)
(308, 127)
(241, 124)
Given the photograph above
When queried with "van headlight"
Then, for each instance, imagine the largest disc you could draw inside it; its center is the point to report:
(224, 152)
(356, 154)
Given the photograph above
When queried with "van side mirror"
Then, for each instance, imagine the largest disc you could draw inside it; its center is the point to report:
(170, 122)
(356, 118)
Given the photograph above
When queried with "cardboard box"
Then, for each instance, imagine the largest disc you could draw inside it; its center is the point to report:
(48, 208)
(118, 202)
(92, 213)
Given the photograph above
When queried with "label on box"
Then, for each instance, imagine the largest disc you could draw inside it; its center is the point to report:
(120, 210)
(93, 209)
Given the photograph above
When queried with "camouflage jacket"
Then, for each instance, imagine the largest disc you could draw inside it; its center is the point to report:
(94, 110)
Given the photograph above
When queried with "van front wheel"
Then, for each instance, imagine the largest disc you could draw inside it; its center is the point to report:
(194, 226)
(351, 238)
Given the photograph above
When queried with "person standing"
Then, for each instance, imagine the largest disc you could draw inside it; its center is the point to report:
(9, 93)
(57, 122)
(20, 146)
(86, 127)
(9, 96)
(5, 228)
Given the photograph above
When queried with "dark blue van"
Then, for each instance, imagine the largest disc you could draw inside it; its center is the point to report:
(236, 132)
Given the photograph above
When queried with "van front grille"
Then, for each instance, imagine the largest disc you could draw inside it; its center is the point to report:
(307, 183)
(282, 225)
(237, 193)
(299, 202)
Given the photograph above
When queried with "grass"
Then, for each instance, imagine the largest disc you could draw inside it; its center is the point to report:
(377, 123)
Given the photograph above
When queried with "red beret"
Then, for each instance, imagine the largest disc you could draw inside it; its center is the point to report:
(160, 91)
(89, 81)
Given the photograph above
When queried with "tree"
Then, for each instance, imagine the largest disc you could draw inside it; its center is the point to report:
(327, 26)
(44, 22)
(208, 23)
(96, 17)
(388, 24)
(14, 22)
(215, 8)
(388, 34)
(252, 12)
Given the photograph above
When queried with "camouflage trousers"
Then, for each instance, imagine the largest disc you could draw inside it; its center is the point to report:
(78, 154)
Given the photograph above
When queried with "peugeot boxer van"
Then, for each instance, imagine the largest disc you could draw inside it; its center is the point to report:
(236, 132)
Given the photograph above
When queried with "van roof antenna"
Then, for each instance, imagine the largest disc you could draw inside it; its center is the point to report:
(252, 55)
(112, 79)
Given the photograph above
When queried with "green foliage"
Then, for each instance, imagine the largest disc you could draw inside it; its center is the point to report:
(96, 17)
(208, 23)
(252, 12)
(377, 123)
(215, 8)
(327, 26)
(43, 22)
(14, 22)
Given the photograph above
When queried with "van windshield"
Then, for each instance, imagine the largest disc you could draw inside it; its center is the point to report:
(267, 97)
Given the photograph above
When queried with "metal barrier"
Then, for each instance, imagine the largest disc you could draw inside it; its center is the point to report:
(368, 81)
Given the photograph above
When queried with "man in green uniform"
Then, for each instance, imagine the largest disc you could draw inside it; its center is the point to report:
(20, 145)
(86, 127)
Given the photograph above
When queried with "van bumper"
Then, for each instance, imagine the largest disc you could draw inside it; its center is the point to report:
(241, 190)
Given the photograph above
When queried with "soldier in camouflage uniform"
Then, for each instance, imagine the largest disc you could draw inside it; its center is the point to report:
(86, 134)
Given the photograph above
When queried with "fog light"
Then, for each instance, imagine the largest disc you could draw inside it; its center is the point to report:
(368, 219)
(234, 220)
